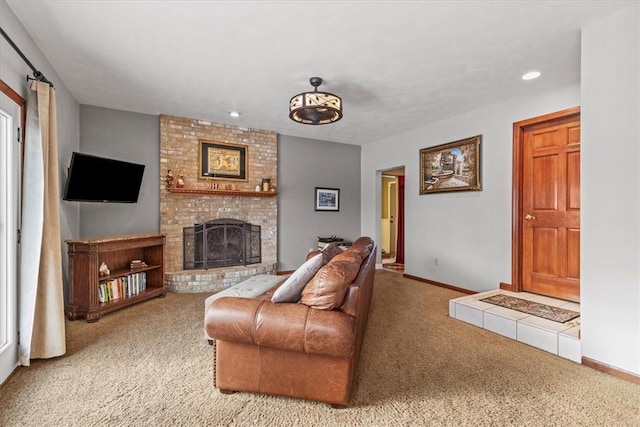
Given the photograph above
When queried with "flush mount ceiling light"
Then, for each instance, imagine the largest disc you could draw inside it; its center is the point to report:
(531, 75)
(235, 114)
(315, 108)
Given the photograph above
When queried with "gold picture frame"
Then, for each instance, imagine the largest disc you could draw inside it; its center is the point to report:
(223, 161)
(454, 166)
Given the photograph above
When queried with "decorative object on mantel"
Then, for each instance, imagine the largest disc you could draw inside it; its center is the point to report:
(223, 161)
(169, 178)
(180, 182)
(103, 270)
(266, 184)
(315, 108)
(258, 188)
(454, 166)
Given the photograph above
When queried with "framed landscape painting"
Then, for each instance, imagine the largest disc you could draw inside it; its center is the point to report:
(454, 166)
(221, 160)
(327, 199)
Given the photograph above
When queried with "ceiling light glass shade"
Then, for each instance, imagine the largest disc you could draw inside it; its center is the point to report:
(315, 108)
(531, 75)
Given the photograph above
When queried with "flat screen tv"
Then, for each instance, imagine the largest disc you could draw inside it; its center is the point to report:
(99, 179)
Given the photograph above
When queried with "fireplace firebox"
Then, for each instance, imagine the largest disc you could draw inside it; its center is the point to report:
(221, 243)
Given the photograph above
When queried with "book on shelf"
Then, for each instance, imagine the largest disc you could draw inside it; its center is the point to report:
(122, 287)
(137, 263)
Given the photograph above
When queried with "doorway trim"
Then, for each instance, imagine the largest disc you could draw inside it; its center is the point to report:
(13, 197)
(517, 222)
(15, 97)
(395, 171)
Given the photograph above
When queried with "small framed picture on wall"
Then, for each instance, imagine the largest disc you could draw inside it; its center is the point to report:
(327, 199)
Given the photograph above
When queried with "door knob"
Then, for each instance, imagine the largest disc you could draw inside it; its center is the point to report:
(529, 217)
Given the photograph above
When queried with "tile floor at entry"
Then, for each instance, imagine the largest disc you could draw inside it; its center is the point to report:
(562, 339)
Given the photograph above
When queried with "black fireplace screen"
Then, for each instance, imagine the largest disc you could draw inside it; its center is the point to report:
(221, 243)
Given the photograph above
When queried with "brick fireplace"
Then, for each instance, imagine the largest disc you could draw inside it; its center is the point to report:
(179, 151)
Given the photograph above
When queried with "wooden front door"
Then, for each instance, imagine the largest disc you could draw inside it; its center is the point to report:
(548, 211)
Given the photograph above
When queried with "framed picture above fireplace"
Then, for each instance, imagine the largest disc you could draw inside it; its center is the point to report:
(223, 161)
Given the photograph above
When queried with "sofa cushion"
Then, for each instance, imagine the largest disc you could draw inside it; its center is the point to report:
(328, 252)
(327, 288)
(291, 289)
(331, 250)
(363, 246)
(365, 241)
(350, 256)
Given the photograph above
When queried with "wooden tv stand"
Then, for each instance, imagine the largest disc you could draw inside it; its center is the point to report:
(85, 281)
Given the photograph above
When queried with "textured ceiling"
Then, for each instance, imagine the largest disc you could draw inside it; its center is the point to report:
(397, 65)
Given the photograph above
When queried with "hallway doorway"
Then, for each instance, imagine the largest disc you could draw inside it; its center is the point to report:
(392, 219)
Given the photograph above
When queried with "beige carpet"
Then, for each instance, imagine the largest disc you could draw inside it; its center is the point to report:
(149, 365)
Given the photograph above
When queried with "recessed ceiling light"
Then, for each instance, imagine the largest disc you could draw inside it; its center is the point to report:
(531, 75)
(234, 114)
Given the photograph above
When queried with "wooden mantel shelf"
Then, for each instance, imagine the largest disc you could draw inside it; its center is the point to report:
(238, 193)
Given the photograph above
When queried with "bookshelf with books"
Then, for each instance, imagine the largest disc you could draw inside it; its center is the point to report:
(122, 287)
(107, 274)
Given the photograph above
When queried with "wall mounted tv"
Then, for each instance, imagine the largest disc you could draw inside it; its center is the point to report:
(99, 179)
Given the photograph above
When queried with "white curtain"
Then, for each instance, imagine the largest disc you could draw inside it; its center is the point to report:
(42, 328)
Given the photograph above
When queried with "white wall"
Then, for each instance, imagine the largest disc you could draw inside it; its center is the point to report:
(469, 232)
(610, 285)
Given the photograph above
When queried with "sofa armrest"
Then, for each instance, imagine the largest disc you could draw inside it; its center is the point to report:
(286, 326)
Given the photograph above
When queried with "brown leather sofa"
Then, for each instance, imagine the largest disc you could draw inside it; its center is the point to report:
(292, 349)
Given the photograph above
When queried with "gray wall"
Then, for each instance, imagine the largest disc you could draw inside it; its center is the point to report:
(13, 72)
(304, 164)
(131, 137)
